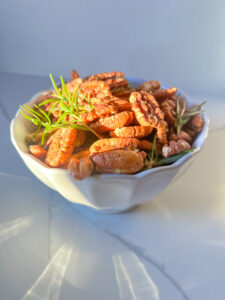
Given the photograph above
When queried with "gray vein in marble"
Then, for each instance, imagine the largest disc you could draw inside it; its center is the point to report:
(142, 255)
(4, 112)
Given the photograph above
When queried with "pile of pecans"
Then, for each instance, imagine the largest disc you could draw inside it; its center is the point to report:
(136, 127)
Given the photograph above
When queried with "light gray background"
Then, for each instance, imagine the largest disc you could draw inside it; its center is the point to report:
(180, 42)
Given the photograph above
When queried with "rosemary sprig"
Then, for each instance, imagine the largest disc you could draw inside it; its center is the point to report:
(152, 159)
(66, 103)
(152, 156)
(184, 114)
(171, 159)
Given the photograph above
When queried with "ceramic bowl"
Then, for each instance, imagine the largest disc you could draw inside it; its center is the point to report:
(107, 193)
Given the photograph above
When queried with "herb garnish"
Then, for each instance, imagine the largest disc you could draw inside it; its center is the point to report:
(66, 103)
(184, 114)
(152, 158)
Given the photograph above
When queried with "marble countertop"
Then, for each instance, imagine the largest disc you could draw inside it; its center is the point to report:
(172, 247)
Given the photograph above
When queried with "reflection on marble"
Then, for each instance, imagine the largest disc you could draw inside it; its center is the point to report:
(9, 229)
(133, 280)
(48, 284)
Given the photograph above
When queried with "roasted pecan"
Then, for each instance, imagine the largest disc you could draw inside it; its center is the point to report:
(95, 88)
(147, 146)
(97, 112)
(146, 109)
(81, 167)
(132, 131)
(61, 147)
(162, 94)
(120, 104)
(72, 85)
(122, 92)
(114, 121)
(74, 75)
(196, 123)
(105, 76)
(162, 129)
(175, 147)
(168, 106)
(38, 151)
(149, 86)
(81, 136)
(119, 161)
(181, 136)
(103, 145)
(117, 83)
(148, 113)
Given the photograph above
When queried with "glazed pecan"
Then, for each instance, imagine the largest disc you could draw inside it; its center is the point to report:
(105, 76)
(80, 168)
(175, 147)
(120, 104)
(72, 85)
(132, 131)
(38, 151)
(162, 94)
(147, 146)
(119, 161)
(112, 122)
(146, 109)
(95, 88)
(103, 145)
(168, 106)
(74, 75)
(81, 136)
(148, 113)
(196, 123)
(162, 129)
(149, 86)
(97, 112)
(122, 92)
(61, 147)
(181, 136)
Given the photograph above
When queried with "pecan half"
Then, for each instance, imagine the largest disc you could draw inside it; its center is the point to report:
(38, 151)
(95, 88)
(181, 136)
(120, 104)
(168, 106)
(119, 161)
(162, 94)
(146, 109)
(97, 112)
(80, 168)
(103, 145)
(74, 75)
(115, 121)
(132, 131)
(175, 147)
(105, 76)
(149, 86)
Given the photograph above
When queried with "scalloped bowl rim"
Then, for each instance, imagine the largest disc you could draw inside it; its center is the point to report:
(199, 140)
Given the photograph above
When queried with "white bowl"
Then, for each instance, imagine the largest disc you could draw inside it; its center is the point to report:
(108, 193)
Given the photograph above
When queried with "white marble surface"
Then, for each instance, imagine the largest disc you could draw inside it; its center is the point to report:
(170, 248)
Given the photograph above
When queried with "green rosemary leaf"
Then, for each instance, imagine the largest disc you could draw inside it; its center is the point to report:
(171, 159)
(44, 114)
(48, 101)
(32, 111)
(54, 85)
(64, 89)
(34, 121)
(52, 108)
